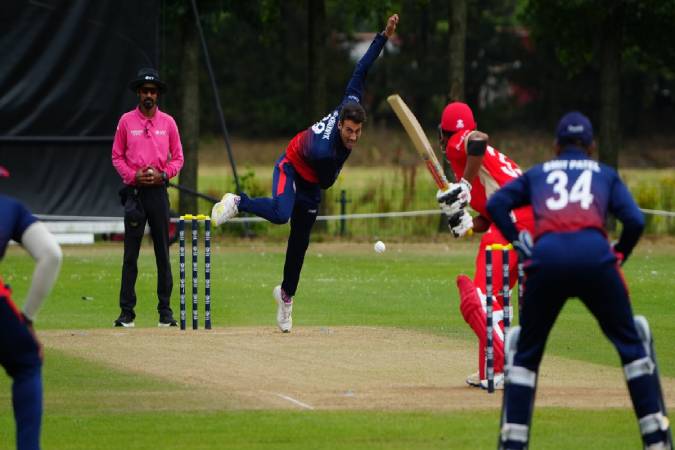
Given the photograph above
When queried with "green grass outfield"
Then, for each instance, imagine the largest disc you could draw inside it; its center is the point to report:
(89, 406)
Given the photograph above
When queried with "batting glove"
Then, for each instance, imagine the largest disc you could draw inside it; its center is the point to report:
(460, 223)
(524, 244)
(456, 197)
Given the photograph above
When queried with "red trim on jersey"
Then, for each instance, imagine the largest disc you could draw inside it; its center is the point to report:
(6, 293)
(295, 156)
(281, 184)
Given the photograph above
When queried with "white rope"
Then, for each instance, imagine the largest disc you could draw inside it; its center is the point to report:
(657, 212)
(380, 215)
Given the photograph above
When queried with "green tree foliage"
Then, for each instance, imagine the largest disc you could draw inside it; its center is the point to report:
(543, 53)
(568, 35)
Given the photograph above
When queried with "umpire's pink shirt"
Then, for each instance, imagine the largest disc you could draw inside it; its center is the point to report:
(146, 141)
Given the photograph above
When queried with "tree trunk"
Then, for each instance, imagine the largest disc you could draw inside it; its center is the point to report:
(316, 75)
(610, 85)
(190, 119)
(457, 16)
(316, 61)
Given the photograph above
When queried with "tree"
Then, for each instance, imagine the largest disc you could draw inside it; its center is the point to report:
(456, 48)
(603, 37)
(190, 117)
(316, 61)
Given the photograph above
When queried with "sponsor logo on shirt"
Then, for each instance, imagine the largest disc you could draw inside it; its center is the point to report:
(136, 132)
(160, 132)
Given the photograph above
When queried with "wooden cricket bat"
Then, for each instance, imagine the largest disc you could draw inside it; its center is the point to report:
(419, 140)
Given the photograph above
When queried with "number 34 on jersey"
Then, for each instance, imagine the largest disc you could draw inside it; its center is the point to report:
(566, 190)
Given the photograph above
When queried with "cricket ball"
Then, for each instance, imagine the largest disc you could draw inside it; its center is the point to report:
(379, 247)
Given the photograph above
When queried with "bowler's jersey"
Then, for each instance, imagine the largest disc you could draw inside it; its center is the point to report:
(496, 170)
(569, 193)
(317, 153)
(14, 220)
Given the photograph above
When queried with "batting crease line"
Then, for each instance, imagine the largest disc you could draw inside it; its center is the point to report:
(297, 402)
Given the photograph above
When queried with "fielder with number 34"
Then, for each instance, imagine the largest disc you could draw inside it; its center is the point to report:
(571, 257)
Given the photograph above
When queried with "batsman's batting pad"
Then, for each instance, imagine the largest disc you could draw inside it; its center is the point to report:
(474, 315)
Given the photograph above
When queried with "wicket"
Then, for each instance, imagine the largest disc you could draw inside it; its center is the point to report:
(506, 295)
(194, 220)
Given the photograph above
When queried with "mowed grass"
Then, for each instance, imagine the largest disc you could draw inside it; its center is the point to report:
(88, 406)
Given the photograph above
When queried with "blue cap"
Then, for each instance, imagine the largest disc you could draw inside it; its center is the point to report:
(574, 126)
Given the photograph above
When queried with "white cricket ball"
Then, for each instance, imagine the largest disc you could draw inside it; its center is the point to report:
(379, 247)
(150, 172)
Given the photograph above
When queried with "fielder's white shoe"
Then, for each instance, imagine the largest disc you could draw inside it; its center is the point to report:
(284, 310)
(473, 380)
(225, 209)
(498, 382)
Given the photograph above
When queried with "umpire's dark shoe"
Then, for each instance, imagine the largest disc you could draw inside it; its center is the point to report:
(167, 321)
(124, 320)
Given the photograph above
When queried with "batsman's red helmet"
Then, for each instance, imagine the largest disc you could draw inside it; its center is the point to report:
(457, 116)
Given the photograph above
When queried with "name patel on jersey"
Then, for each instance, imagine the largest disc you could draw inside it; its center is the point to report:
(572, 164)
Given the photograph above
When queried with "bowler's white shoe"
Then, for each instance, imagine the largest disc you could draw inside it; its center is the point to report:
(473, 380)
(498, 382)
(225, 209)
(284, 309)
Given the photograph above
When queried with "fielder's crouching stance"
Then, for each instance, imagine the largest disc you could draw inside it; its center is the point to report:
(20, 350)
(571, 196)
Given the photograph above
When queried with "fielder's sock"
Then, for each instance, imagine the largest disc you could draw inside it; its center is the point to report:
(27, 403)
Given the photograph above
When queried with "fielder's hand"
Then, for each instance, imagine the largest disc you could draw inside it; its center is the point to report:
(524, 244)
(456, 197)
(620, 257)
(460, 223)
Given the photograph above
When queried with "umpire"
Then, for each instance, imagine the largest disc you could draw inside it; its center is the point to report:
(571, 196)
(146, 153)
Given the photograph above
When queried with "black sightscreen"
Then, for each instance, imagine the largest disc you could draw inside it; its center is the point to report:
(64, 70)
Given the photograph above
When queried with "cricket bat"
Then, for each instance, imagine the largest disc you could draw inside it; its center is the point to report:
(419, 140)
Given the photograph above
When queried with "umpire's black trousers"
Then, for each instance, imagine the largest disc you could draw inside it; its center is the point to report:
(155, 204)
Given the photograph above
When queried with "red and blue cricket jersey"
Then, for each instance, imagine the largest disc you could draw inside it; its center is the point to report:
(568, 194)
(14, 220)
(317, 153)
(19, 351)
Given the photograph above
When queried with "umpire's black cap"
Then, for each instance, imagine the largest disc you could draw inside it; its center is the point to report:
(147, 75)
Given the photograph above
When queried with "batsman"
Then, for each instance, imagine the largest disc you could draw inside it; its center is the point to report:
(571, 256)
(481, 169)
